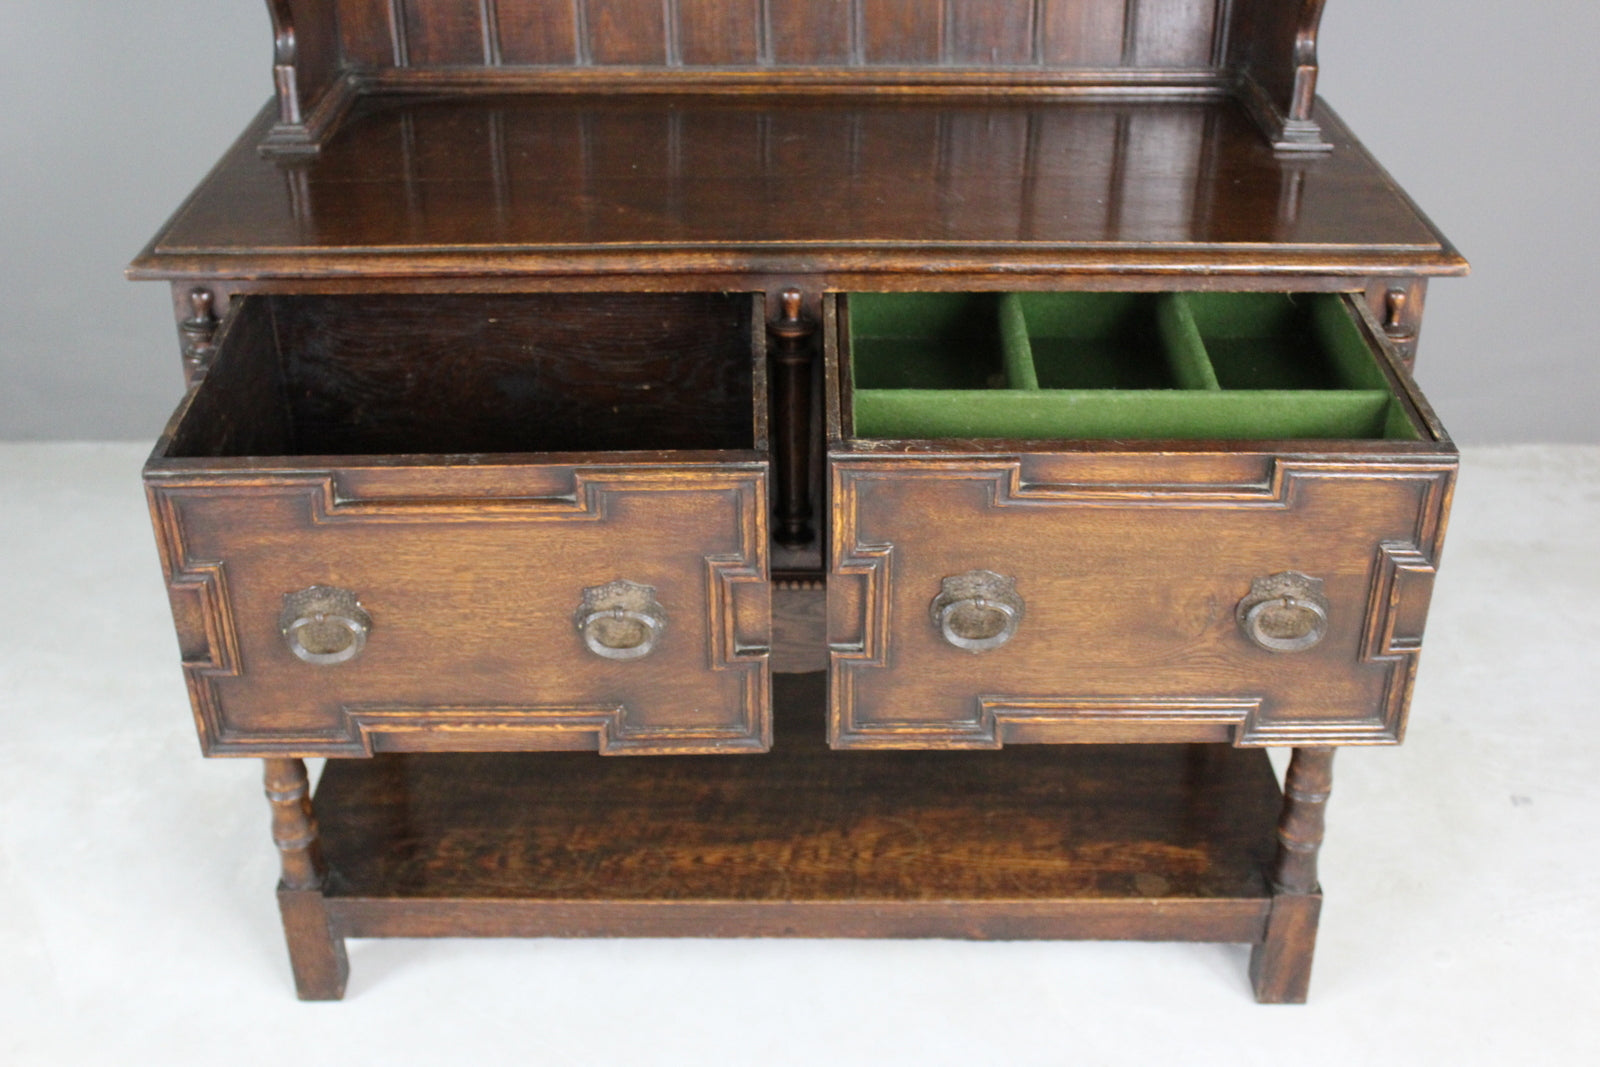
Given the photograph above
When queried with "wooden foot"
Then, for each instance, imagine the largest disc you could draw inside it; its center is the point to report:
(1280, 966)
(317, 956)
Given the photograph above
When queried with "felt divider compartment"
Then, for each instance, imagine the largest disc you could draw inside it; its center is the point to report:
(926, 342)
(1115, 365)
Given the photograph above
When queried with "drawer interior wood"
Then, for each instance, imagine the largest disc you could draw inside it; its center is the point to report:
(480, 373)
(1115, 365)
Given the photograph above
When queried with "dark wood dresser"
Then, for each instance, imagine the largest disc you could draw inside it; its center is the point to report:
(942, 443)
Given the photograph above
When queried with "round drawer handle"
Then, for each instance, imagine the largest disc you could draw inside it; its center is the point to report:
(324, 625)
(978, 610)
(621, 619)
(1285, 612)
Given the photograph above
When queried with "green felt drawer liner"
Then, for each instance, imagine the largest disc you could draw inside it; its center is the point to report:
(1104, 341)
(1016, 346)
(1278, 341)
(1115, 365)
(927, 341)
(1175, 414)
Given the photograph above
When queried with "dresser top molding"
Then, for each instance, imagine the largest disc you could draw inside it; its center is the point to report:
(722, 190)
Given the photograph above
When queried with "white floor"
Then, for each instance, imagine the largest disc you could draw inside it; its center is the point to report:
(137, 922)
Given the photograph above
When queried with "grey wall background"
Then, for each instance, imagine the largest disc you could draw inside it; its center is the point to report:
(113, 109)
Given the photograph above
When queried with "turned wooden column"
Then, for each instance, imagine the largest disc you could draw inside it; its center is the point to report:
(1302, 824)
(792, 334)
(1280, 966)
(317, 956)
(198, 331)
(294, 825)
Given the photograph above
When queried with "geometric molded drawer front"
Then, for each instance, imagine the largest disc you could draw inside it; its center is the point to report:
(1133, 575)
(471, 582)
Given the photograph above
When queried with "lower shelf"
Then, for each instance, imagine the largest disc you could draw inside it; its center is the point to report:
(1165, 842)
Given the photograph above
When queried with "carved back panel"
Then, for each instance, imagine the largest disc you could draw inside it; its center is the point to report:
(1263, 51)
(1071, 34)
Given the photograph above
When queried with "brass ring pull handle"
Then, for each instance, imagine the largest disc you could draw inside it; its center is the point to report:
(324, 625)
(1285, 612)
(977, 611)
(621, 620)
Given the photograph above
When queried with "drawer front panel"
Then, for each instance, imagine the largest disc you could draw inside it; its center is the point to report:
(1127, 598)
(475, 606)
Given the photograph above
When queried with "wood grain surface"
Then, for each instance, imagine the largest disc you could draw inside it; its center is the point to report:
(725, 191)
(805, 824)
(473, 643)
(435, 397)
(1130, 595)
(475, 373)
(1131, 558)
(1151, 34)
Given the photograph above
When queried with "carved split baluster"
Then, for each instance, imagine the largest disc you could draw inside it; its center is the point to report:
(317, 956)
(1280, 966)
(792, 335)
(199, 333)
(1397, 303)
(1394, 315)
(1401, 317)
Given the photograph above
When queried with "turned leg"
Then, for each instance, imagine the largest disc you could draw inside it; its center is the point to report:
(316, 955)
(1280, 966)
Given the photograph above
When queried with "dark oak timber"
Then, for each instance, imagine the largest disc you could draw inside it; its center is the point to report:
(1300, 829)
(1014, 392)
(1160, 842)
(316, 953)
(328, 52)
(867, 193)
(1280, 965)
(793, 358)
(198, 330)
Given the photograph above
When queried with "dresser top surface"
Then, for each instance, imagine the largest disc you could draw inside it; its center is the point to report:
(736, 185)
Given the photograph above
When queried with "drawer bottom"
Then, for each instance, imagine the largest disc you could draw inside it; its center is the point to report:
(1160, 842)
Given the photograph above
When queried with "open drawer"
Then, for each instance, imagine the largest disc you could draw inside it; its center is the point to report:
(1116, 365)
(1116, 517)
(473, 521)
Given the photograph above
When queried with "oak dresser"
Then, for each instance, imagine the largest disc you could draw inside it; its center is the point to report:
(870, 468)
